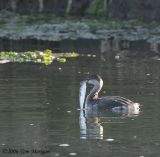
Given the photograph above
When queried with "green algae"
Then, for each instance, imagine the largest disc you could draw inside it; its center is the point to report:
(46, 57)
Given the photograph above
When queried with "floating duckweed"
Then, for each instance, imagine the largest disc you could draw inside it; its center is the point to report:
(68, 55)
(62, 60)
(46, 56)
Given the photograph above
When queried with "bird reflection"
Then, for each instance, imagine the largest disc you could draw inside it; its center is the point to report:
(90, 126)
(91, 123)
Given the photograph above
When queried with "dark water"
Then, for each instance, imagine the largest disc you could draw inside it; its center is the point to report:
(39, 116)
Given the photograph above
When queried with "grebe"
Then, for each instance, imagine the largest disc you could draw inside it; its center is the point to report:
(93, 102)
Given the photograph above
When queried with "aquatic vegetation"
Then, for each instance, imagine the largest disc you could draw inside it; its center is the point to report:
(46, 57)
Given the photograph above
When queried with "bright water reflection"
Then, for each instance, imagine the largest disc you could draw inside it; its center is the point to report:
(91, 125)
(38, 109)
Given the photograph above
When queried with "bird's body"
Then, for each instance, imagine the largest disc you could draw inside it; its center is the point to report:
(110, 102)
(114, 103)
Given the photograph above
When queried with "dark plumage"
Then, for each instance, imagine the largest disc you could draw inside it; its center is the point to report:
(108, 102)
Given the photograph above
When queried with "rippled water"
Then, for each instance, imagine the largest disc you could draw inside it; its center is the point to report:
(39, 116)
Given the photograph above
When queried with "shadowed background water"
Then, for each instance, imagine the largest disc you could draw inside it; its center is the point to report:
(38, 108)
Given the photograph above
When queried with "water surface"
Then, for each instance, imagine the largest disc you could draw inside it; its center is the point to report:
(38, 109)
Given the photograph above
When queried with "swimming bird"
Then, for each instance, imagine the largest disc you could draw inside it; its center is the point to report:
(94, 102)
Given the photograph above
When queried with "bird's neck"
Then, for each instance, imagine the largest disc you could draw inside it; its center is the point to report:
(93, 95)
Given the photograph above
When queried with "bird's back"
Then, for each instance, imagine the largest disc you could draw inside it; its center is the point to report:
(110, 102)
